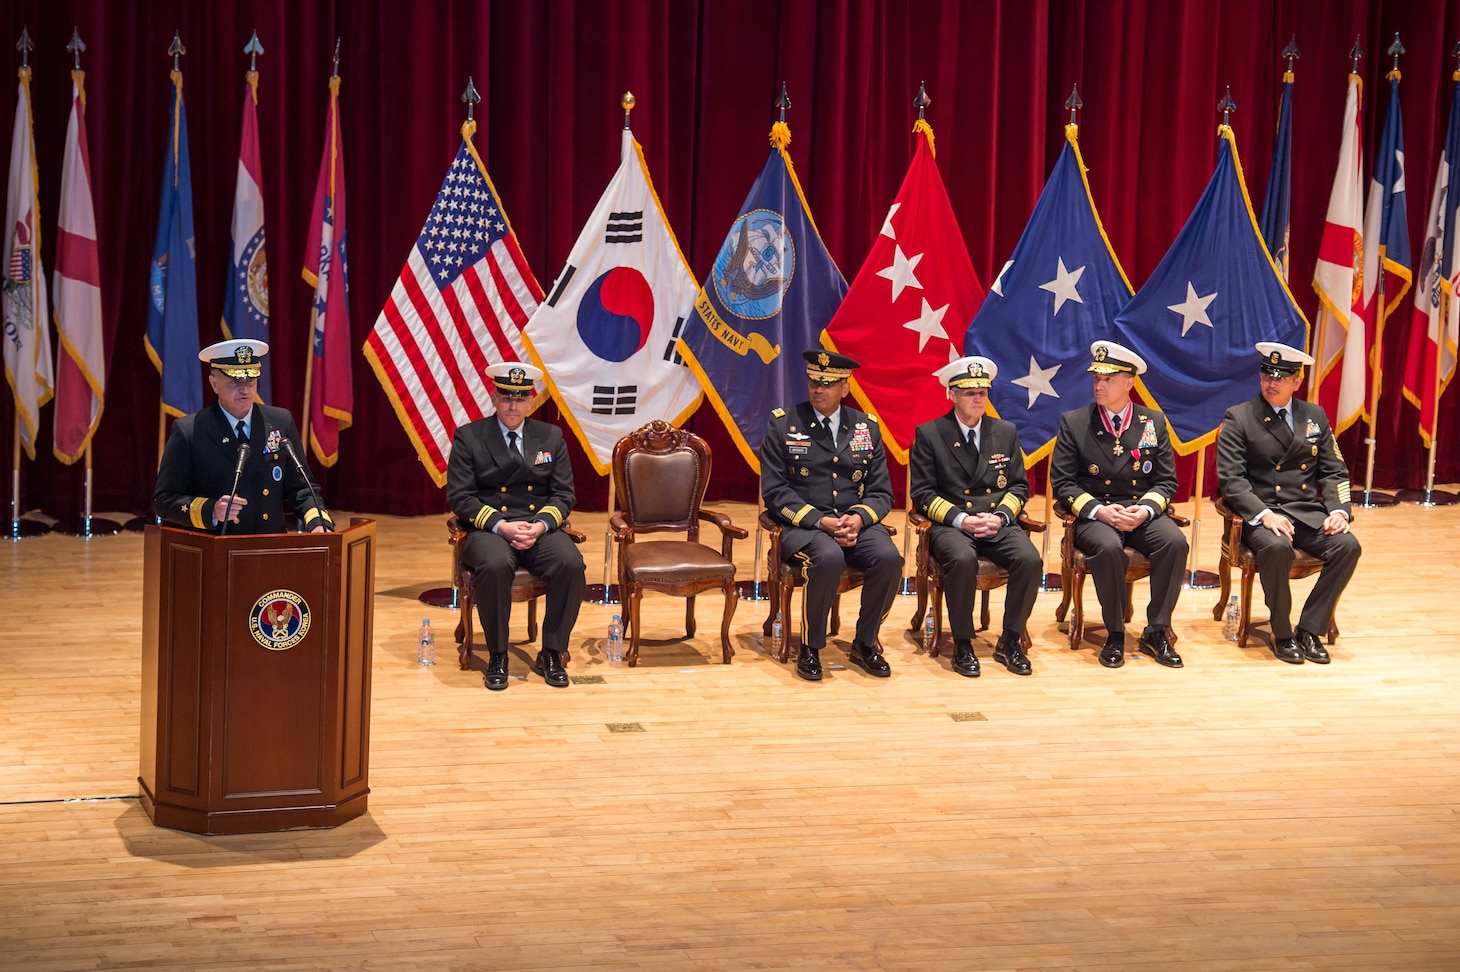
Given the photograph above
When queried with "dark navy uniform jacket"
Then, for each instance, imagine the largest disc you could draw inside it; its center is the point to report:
(1090, 466)
(947, 480)
(485, 483)
(1260, 464)
(803, 477)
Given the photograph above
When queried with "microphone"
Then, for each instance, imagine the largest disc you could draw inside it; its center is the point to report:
(243, 451)
(303, 471)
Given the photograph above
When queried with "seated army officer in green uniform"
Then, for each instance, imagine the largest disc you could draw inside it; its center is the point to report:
(1279, 469)
(195, 479)
(968, 478)
(1113, 467)
(823, 476)
(510, 485)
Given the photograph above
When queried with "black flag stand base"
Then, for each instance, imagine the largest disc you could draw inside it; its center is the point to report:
(752, 590)
(23, 529)
(1427, 497)
(1373, 500)
(440, 597)
(1201, 580)
(601, 594)
(1052, 582)
(87, 527)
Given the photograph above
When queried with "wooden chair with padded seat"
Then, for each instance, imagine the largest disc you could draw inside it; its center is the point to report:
(660, 474)
(928, 579)
(526, 586)
(1304, 565)
(1073, 569)
(782, 579)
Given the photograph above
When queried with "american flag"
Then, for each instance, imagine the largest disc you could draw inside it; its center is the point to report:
(459, 305)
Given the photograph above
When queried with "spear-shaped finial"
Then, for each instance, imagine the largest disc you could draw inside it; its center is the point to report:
(1356, 52)
(922, 101)
(471, 98)
(783, 102)
(76, 45)
(1226, 106)
(253, 49)
(627, 102)
(1396, 49)
(1074, 102)
(1291, 53)
(336, 59)
(177, 50)
(24, 46)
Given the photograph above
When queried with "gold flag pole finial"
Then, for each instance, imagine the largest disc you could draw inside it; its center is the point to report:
(627, 102)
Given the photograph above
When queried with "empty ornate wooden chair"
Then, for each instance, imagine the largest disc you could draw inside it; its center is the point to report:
(1236, 554)
(928, 579)
(660, 474)
(782, 579)
(1073, 569)
(526, 586)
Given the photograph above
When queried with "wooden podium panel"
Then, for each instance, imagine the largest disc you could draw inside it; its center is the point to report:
(256, 679)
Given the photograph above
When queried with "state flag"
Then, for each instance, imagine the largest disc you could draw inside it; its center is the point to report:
(1213, 296)
(27, 323)
(908, 308)
(76, 284)
(246, 292)
(606, 335)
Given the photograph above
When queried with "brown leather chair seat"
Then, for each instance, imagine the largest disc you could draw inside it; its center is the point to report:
(676, 560)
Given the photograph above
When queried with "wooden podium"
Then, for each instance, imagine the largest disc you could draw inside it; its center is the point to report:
(256, 679)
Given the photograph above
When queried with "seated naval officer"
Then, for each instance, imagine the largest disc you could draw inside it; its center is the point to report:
(203, 456)
(1279, 469)
(1114, 468)
(823, 476)
(510, 485)
(968, 478)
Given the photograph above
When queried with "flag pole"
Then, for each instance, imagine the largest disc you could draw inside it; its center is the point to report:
(1054, 580)
(1373, 500)
(314, 315)
(1198, 580)
(1429, 496)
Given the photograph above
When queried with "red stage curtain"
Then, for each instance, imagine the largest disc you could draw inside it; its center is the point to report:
(705, 74)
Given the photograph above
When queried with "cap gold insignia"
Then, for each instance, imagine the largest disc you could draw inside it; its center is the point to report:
(517, 375)
(243, 353)
(1100, 353)
(975, 370)
(823, 359)
(1275, 357)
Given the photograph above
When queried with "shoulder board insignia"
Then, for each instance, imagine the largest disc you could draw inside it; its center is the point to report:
(870, 417)
(778, 413)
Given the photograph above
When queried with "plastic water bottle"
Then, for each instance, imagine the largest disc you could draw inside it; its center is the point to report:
(778, 634)
(426, 653)
(614, 649)
(928, 629)
(1230, 620)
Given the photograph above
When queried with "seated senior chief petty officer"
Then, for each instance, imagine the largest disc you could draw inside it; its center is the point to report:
(1279, 469)
(823, 476)
(1114, 468)
(195, 480)
(510, 485)
(968, 478)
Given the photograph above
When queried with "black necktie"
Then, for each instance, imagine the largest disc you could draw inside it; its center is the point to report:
(973, 444)
(1284, 432)
(1115, 424)
(831, 433)
(1283, 416)
(242, 435)
(512, 446)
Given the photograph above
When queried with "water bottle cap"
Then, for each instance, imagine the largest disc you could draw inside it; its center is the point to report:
(425, 620)
(615, 617)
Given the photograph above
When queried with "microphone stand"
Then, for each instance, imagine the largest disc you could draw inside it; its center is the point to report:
(243, 451)
(308, 480)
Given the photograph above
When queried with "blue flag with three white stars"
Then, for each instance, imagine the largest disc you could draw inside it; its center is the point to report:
(1214, 295)
(1059, 292)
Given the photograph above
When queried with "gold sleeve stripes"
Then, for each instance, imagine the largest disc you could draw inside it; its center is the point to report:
(1156, 498)
(483, 515)
(939, 510)
(194, 510)
(1345, 492)
(552, 513)
(871, 513)
(798, 516)
(1011, 503)
(1079, 503)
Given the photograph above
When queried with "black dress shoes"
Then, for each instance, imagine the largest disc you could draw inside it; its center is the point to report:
(870, 658)
(808, 664)
(1311, 647)
(1112, 653)
(550, 667)
(1284, 650)
(496, 677)
(1010, 653)
(1155, 643)
(965, 662)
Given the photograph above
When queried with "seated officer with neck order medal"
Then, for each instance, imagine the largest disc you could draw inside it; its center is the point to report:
(1113, 467)
(823, 476)
(510, 485)
(968, 478)
(1279, 469)
(195, 478)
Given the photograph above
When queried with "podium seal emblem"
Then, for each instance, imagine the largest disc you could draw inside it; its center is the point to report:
(279, 620)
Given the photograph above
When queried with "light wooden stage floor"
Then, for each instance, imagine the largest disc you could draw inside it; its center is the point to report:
(1238, 814)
